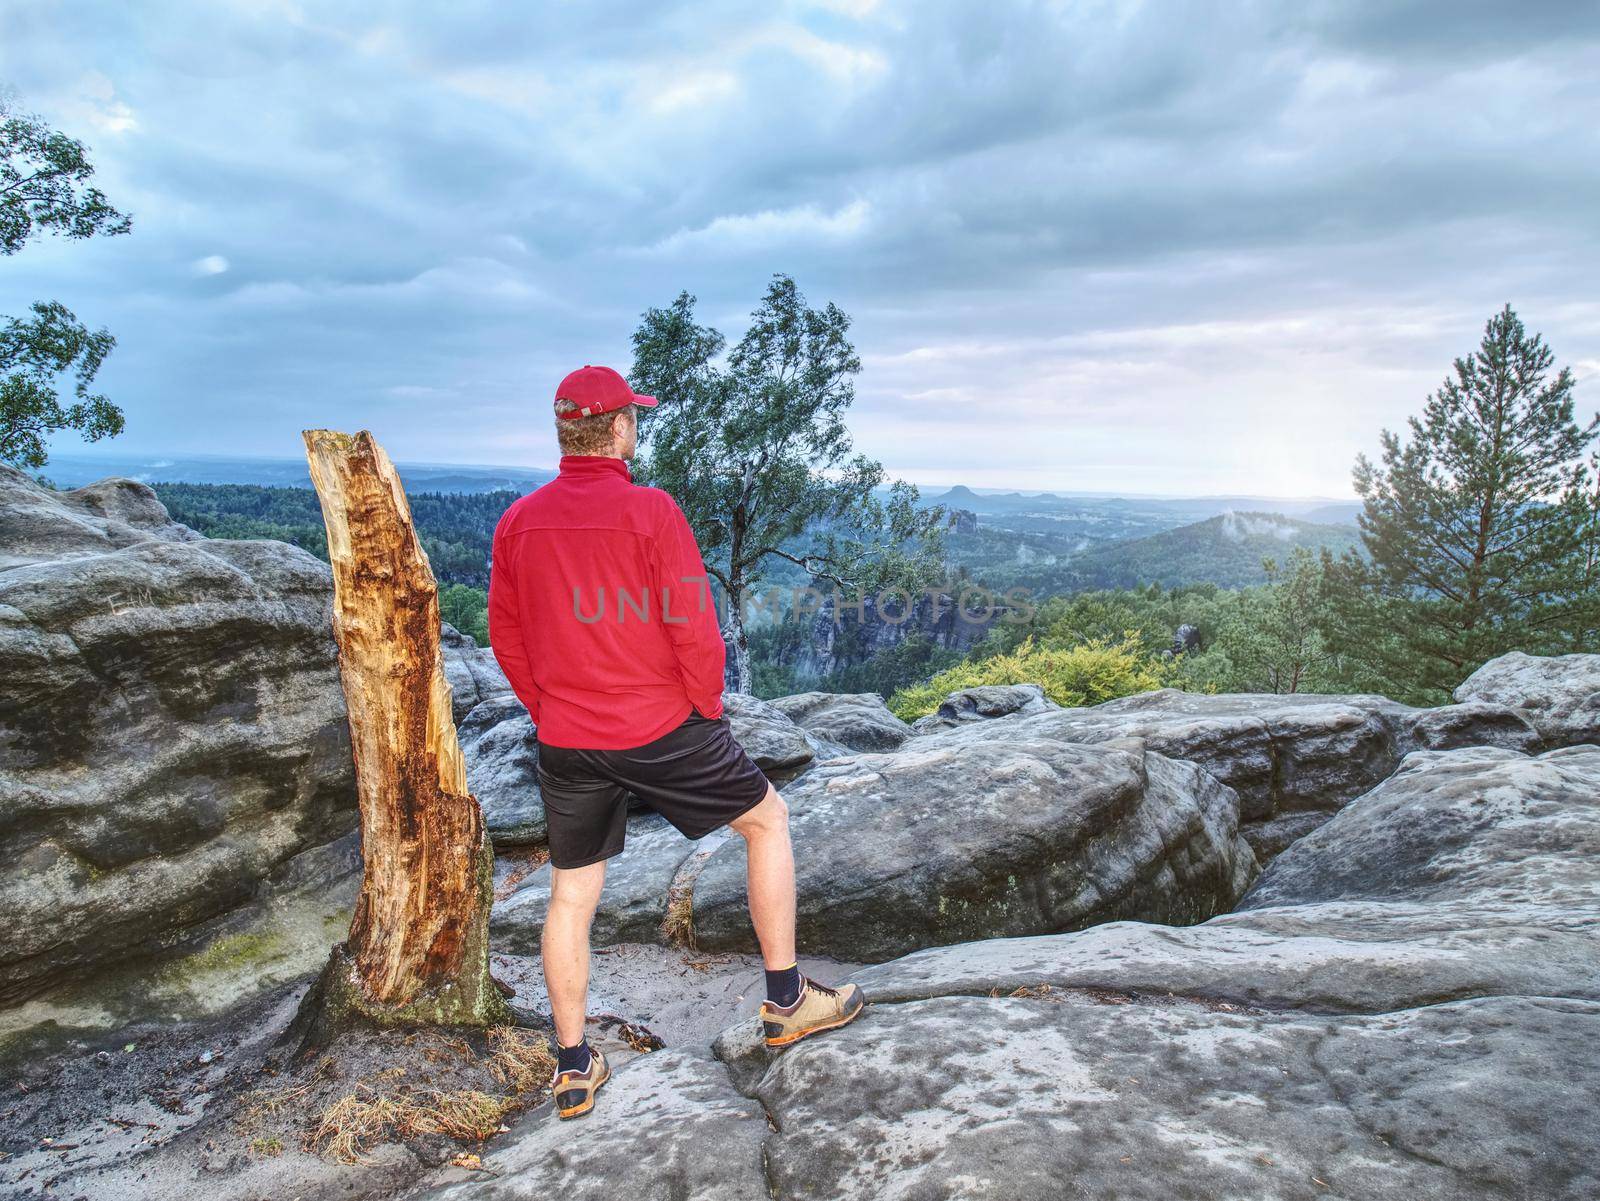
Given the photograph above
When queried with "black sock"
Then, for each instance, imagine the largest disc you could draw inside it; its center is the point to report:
(572, 1059)
(783, 986)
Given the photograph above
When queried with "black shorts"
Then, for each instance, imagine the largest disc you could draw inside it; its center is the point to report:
(696, 776)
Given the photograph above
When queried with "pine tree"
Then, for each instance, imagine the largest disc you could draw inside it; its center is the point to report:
(1475, 525)
(1273, 636)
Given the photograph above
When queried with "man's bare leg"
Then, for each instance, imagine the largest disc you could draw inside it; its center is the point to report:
(574, 893)
(765, 830)
(814, 1007)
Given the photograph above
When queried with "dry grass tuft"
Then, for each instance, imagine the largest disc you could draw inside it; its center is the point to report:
(468, 1114)
(354, 1124)
(444, 1084)
(678, 926)
(520, 1059)
(1031, 992)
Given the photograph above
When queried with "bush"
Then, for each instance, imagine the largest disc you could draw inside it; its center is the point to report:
(1087, 674)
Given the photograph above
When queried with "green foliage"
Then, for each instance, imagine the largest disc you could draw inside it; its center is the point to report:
(758, 456)
(1272, 636)
(43, 175)
(249, 511)
(1086, 674)
(1479, 527)
(456, 528)
(467, 609)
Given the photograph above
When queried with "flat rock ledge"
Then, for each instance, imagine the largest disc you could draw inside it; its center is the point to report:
(1423, 1033)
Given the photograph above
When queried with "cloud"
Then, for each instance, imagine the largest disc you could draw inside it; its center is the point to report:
(746, 233)
(1176, 246)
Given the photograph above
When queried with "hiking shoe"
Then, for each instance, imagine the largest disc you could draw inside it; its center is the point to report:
(817, 1008)
(574, 1091)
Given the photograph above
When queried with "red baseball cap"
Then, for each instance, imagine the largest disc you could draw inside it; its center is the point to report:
(598, 390)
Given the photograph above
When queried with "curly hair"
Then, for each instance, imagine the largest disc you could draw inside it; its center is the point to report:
(587, 435)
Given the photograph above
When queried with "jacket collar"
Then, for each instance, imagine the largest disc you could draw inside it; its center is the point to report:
(594, 465)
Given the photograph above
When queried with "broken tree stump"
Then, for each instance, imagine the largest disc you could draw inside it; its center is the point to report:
(418, 950)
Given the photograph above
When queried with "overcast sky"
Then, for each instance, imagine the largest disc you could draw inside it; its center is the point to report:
(1159, 248)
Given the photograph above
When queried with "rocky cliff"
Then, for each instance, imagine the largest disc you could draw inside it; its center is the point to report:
(1251, 945)
(173, 747)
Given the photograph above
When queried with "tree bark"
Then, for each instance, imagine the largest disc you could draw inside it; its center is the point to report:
(418, 948)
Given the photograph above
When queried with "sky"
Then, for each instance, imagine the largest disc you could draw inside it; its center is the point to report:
(1161, 248)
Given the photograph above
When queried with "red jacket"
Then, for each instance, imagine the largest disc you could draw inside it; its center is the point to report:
(600, 611)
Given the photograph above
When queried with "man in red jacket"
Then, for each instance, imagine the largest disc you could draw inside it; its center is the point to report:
(601, 615)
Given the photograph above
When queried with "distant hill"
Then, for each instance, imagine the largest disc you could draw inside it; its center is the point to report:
(1225, 550)
(1049, 558)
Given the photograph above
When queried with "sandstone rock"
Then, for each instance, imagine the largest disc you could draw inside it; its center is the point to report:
(673, 1128)
(1185, 638)
(279, 938)
(1476, 723)
(501, 748)
(1137, 1098)
(1293, 759)
(1278, 752)
(172, 731)
(1483, 881)
(778, 746)
(858, 721)
(983, 703)
(1271, 836)
(1559, 694)
(936, 844)
(1431, 945)
(471, 671)
(38, 525)
(1482, 824)
(1283, 754)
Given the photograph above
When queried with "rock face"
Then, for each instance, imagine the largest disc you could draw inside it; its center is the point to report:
(714, 1152)
(1129, 1100)
(779, 747)
(471, 671)
(1280, 753)
(172, 731)
(1185, 638)
(846, 634)
(935, 844)
(856, 721)
(501, 748)
(1293, 759)
(943, 842)
(1478, 826)
(1560, 695)
(41, 526)
(985, 702)
(1476, 723)
(1405, 1007)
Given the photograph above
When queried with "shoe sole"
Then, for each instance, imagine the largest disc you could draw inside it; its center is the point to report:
(577, 1111)
(790, 1039)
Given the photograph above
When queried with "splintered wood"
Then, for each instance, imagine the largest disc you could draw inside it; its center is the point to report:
(420, 916)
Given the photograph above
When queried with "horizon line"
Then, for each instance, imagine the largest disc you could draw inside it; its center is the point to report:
(111, 453)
